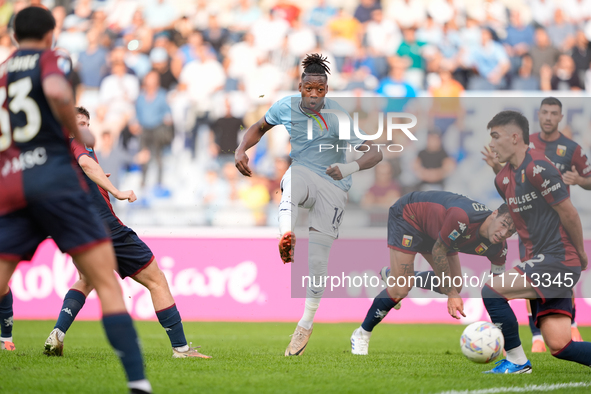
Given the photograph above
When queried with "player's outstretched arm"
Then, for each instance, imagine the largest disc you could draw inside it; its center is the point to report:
(574, 178)
(98, 176)
(251, 138)
(443, 271)
(60, 98)
(569, 217)
(491, 159)
(368, 160)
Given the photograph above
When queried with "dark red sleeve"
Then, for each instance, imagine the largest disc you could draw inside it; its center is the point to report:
(78, 149)
(49, 64)
(499, 259)
(581, 163)
(547, 180)
(454, 226)
(499, 186)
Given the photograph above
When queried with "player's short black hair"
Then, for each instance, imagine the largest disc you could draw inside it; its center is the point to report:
(315, 64)
(503, 210)
(33, 23)
(551, 101)
(83, 111)
(504, 118)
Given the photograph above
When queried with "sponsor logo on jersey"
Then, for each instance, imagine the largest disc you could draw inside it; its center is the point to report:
(462, 226)
(538, 169)
(407, 241)
(467, 236)
(454, 235)
(505, 181)
(480, 249)
(551, 189)
(561, 150)
(545, 183)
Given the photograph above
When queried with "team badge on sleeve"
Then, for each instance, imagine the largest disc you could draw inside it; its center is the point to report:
(407, 241)
(561, 150)
(454, 235)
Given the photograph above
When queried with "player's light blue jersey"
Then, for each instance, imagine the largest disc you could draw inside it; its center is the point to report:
(306, 152)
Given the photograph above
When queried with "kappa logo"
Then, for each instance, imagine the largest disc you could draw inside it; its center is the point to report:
(68, 311)
(380, 314)
(532, 146)
(545, 183)
(462, 226)
(505, 181)
(454, 235)
(8, 322)
(538, 169)
(504, 253)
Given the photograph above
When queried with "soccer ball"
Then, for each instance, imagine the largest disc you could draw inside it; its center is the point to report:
(482, 342)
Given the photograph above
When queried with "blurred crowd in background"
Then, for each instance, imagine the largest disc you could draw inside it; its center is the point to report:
(171, 85)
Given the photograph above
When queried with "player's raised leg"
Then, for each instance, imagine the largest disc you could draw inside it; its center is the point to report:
(116, 321)
(399, 283)
(168, 315)
(6, 313)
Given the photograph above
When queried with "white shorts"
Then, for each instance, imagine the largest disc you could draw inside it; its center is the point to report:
(325, 201)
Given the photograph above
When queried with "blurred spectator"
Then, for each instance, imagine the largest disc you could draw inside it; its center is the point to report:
(216, 35)
(442, 11)
(187, 52)
(491, 62)
(577, 11)
(519, 39)
(6, 10)
(274, 182)
(564, 76)
(364, 9)
(213, 194)
(255, 197)
(407, 13)
(395, 85)
(161, 64)
(447, 107)
(542, 11)
(525, 80)
(225, 131)
(385, 190)
(138, 30)
(382, 35)
(241, 60)
(301, 40)
(92, 63)
(562, 32)
(319, 16)
(287, 11)
(269, 32)
(430, 33)
(6, 46)
(73, 39)
(154, 116)
(112, 157)
(344, 37)
(159, 15)
(433, 164)
(581, 54)
(543, 52)
(411, 48)
(243, 17)
(120, 13)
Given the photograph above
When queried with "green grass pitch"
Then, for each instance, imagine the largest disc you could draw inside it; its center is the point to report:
(248, 358)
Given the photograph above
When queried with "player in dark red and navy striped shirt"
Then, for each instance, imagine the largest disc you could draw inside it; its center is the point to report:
(134, 259)
(42, 192)
(438, 225)
(568, 157)
(550, 229)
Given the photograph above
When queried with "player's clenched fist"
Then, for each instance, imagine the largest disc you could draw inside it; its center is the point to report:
(241, 160)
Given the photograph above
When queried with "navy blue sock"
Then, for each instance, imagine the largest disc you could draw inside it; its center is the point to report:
(502, 316)
(6, 320)
(427, 281)
(579, 352)
(532, 326)
(123, 338)
(73, 302)
(170, 319)
(378, 310)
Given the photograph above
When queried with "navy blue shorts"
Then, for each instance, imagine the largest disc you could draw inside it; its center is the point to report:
(402, 236)
(70, 220)
(132, 254)
(563, 306)
(549, 277)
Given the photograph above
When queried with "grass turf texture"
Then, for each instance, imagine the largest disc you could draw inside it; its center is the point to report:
(248, 357)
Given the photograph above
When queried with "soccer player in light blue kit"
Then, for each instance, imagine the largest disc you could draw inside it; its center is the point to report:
(318, 179)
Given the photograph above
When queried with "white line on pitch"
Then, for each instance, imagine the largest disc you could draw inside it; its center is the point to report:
(524, 389)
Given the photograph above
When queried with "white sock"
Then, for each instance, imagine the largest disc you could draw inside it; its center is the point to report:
(141, 385)
(517, 355)
(310, 309)
(365, 334)
(9, 339)
(60, 334)
(574, 324)
(537, 338)
(182, 349)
